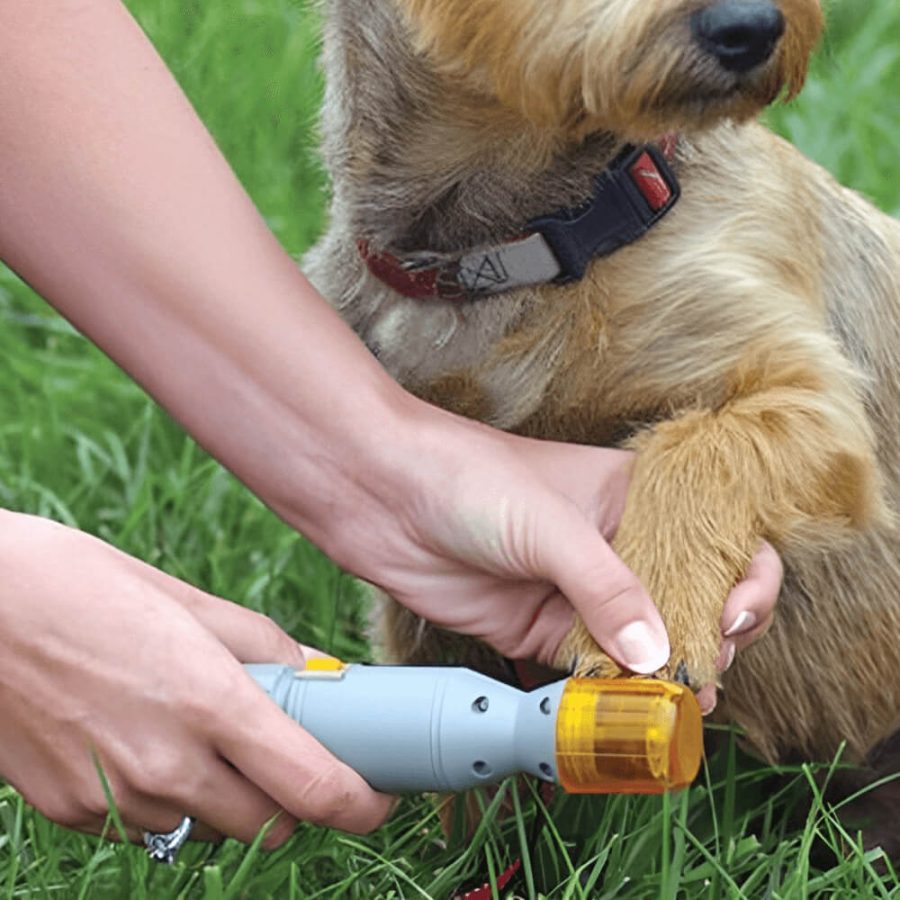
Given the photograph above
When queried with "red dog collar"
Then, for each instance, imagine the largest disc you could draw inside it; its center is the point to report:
(631, 195)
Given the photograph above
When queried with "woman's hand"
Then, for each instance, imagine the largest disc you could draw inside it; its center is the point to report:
(108, 661)
(505, 538)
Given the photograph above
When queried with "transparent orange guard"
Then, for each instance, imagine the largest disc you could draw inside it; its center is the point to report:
(634, 736)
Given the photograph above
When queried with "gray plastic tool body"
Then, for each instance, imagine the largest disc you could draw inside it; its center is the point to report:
(408, 729)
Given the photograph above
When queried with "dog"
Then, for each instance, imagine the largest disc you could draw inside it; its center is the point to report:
(563, 219)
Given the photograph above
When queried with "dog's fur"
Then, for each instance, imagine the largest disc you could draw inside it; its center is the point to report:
(748, 347)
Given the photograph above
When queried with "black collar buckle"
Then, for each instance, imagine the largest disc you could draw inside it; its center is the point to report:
(635, 191)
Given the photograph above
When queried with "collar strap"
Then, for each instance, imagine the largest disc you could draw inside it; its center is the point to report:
(630, 197)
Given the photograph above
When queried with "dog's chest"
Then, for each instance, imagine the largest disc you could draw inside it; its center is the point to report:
(492, 358)
(421, 341)
(539, 353)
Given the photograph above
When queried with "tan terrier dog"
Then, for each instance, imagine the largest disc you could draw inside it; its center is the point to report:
(560, 218)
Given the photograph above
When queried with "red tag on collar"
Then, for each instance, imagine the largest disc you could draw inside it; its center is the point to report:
(648, 180)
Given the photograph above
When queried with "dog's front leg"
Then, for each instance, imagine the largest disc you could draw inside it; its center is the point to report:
(789, 454)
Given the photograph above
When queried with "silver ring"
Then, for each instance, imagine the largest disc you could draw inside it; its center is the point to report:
(162, 848)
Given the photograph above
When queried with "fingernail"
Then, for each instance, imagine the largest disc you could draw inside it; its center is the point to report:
(744, 622)
(638, 648)
(726, 657)
(707, 697)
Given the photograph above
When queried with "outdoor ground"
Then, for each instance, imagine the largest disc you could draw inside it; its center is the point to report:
(80, 443)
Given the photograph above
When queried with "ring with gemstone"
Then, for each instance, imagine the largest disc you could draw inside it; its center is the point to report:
(162, 848)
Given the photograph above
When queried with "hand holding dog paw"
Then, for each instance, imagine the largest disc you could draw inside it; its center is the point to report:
(107, 661)
(505, 539)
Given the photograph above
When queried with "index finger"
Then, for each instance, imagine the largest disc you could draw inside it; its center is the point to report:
(292, 767)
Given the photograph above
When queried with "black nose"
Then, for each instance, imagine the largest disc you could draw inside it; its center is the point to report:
(741, 34)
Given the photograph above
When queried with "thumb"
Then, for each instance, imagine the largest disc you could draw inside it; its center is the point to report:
(613, 604)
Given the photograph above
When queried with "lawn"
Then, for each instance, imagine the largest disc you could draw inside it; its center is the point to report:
(80, 443)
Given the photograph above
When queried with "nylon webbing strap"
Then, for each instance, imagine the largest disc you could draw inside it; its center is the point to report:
(630, 196)
(514, 265)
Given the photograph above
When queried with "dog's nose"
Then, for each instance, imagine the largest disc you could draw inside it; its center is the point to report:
(741, 34)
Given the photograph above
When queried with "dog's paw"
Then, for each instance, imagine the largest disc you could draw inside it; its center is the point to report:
(580, 655)
(598, 665)
(693, 661)
(696, 649)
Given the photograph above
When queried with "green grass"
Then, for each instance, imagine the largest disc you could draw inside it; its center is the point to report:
(80, 443)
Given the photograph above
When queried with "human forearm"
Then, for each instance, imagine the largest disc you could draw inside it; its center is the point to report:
(117, 206)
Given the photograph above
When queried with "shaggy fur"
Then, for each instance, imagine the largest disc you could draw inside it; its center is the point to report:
(748, 347)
